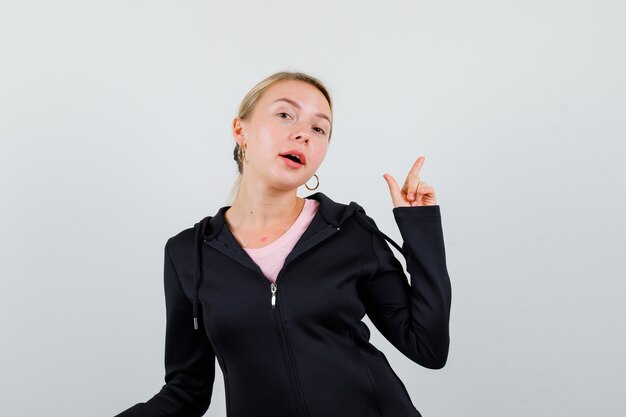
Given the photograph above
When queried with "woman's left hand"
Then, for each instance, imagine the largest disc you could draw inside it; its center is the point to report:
(414, 192)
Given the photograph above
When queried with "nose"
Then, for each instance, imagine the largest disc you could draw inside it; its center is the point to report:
(299, 137)
(301, 134)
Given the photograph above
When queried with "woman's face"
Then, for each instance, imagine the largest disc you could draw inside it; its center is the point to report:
(291, 117)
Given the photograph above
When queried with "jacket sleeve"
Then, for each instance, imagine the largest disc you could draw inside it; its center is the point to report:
(189, 359)
(415, 318)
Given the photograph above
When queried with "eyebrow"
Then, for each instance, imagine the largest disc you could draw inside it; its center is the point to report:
(296, 105)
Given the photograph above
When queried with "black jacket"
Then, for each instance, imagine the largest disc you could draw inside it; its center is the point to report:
(300, 349)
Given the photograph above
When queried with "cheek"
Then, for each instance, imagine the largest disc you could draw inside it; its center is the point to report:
(320, 152)
(270, 134)
(266, 139)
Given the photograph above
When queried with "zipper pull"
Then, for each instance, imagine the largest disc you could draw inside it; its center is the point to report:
(273, 288)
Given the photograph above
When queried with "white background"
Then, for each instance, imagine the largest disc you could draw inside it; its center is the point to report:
(115, 135)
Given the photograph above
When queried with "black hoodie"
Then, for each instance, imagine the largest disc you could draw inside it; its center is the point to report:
(299, 348)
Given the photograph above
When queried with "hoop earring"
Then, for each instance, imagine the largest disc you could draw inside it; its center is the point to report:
(241, 153)
(317, 185)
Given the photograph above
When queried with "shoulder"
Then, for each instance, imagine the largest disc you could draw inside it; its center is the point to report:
(181, 240)
(182, 245)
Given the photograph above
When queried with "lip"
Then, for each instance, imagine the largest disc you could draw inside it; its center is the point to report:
(296, 152)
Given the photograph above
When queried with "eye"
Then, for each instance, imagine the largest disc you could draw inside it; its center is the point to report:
(281, 115)
(320, 130)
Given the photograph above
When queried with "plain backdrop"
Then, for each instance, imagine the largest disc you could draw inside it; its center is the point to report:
(115, 135)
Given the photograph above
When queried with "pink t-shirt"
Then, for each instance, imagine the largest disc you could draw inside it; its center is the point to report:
(271, 258)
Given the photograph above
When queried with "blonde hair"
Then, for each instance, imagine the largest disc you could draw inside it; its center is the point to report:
(254, 95)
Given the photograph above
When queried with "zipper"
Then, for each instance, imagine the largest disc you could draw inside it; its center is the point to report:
(273, 290)
(291, 373)
(280, 327)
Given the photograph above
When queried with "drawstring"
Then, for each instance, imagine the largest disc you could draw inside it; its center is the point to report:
(363, 220)
(198, 240)
(197, 278)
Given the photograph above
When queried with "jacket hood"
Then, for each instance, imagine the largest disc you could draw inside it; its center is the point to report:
(334, 213)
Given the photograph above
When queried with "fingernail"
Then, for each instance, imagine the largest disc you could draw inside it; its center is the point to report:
(411, 196)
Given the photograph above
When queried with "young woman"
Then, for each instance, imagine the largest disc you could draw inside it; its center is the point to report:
(275, 286)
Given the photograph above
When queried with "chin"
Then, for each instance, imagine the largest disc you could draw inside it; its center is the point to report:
(289, 186)
(288, 183)
(288, 179)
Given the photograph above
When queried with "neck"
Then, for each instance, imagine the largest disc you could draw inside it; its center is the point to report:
(259, 207)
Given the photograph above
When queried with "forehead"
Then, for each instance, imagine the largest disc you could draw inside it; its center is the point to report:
(302, 92)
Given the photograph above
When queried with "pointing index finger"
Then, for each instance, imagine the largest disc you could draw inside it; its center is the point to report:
(417, 166)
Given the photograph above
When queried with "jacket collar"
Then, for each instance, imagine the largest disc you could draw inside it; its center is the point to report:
(332, 212)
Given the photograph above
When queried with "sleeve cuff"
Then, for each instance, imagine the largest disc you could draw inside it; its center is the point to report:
(423, 212)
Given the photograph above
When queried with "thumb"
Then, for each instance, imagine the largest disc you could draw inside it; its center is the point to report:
(394, 190)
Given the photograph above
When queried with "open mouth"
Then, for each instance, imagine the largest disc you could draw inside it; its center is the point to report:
(294, 158)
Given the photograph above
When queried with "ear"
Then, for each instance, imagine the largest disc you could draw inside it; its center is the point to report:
(238, 130)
